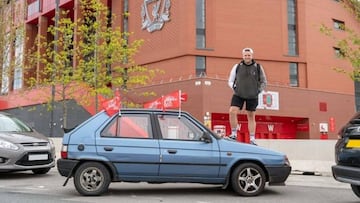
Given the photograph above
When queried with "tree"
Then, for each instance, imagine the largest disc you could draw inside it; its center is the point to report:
(11, 42)
(93, 56)
(349, 46)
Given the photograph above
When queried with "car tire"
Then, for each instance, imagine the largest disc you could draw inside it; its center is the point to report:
(356, 189)
(92, 179)
(248, 179)
(40, 171)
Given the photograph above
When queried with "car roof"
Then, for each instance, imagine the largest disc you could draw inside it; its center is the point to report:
(151, 110)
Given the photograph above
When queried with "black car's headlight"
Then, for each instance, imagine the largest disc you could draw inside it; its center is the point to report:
(8, 145)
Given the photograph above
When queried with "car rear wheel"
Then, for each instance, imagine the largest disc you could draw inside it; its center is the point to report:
(248, 179)
(41, 170)
(92, 179)
(356, 189)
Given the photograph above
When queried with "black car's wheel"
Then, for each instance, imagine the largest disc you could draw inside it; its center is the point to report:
(248, 179)
(92, 179)
(356, 189)
(41, 170)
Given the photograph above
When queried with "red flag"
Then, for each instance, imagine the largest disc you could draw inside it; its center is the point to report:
(156, 104)
(172, 100)
(111, 106)
(183, 97)
(169, 101)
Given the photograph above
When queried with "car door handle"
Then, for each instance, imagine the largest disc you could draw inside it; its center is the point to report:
(172, 151)
(108, 149)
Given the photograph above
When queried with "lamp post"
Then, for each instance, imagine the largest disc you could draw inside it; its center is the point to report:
(56, 37)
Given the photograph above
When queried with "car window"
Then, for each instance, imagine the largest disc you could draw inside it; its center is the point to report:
(173, 127)
(129, 126)
(12, 124)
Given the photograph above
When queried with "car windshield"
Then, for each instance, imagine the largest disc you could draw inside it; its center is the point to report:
(12, 124)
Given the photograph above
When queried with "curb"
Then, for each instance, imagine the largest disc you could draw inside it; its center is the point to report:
(310, 173)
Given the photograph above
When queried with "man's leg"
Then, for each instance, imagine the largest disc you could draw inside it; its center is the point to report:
(251, 125)
(233, 111)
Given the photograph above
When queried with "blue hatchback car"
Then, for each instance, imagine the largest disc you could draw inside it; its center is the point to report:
(155, 146)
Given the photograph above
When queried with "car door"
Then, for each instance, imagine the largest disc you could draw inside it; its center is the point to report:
(182, 153)
(127, 141)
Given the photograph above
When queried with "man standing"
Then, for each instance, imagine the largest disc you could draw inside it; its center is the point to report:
(247, 79)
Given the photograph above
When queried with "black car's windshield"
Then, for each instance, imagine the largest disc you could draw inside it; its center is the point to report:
(12, 124)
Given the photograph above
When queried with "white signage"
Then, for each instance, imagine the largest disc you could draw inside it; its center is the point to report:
(269, 100)
(324, 127)
(154, 13)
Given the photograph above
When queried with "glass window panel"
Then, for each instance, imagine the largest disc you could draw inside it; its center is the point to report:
(200, 66)
(175, 128)
(293, 74)
(129, 126)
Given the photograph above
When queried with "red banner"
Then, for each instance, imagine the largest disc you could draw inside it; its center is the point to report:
(111, 106)
(169, 101)
(156, 104)
(172, 100)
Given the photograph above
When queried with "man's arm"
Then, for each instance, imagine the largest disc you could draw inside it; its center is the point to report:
(263, 81)
(232, 76)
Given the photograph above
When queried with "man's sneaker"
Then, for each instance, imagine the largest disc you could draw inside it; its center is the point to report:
(232, 136)
(253, 142)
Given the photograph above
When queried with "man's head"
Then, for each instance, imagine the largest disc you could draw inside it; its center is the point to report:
(247, 55)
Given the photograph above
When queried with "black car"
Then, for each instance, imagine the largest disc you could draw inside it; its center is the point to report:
(347, 154)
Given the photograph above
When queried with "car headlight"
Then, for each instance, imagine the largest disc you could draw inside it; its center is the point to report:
(51, 142)
(8, 145)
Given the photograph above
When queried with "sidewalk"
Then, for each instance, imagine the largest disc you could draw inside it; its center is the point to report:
(315, 181)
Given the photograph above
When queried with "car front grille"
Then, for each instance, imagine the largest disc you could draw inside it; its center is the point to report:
(34, 144)
(24, 161)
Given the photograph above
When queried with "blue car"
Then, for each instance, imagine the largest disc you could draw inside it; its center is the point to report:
(155, 146)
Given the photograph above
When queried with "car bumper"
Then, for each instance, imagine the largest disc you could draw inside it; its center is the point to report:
(66, 166)
(24, 160)
(9, 168)
(278, 174)
(346, 174)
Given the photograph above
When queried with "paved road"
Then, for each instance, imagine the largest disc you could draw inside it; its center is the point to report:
(25, 187)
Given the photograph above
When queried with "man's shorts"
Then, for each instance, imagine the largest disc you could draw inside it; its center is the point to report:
(251, 104)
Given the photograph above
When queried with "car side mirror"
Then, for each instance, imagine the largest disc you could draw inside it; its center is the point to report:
(206, 137)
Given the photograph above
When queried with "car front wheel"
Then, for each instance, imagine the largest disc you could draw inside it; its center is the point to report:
(356, 189)
(248, 179)
(92, 179)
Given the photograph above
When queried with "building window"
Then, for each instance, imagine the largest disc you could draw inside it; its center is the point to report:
(294, 75)
(6, 66)
(126, 16)
(33, 7)
(338, 24)
(200, 66)
(200, 24)
(292, 32)
(125, 25)
(19, 52)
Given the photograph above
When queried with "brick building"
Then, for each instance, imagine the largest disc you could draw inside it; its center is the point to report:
(196, 43)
